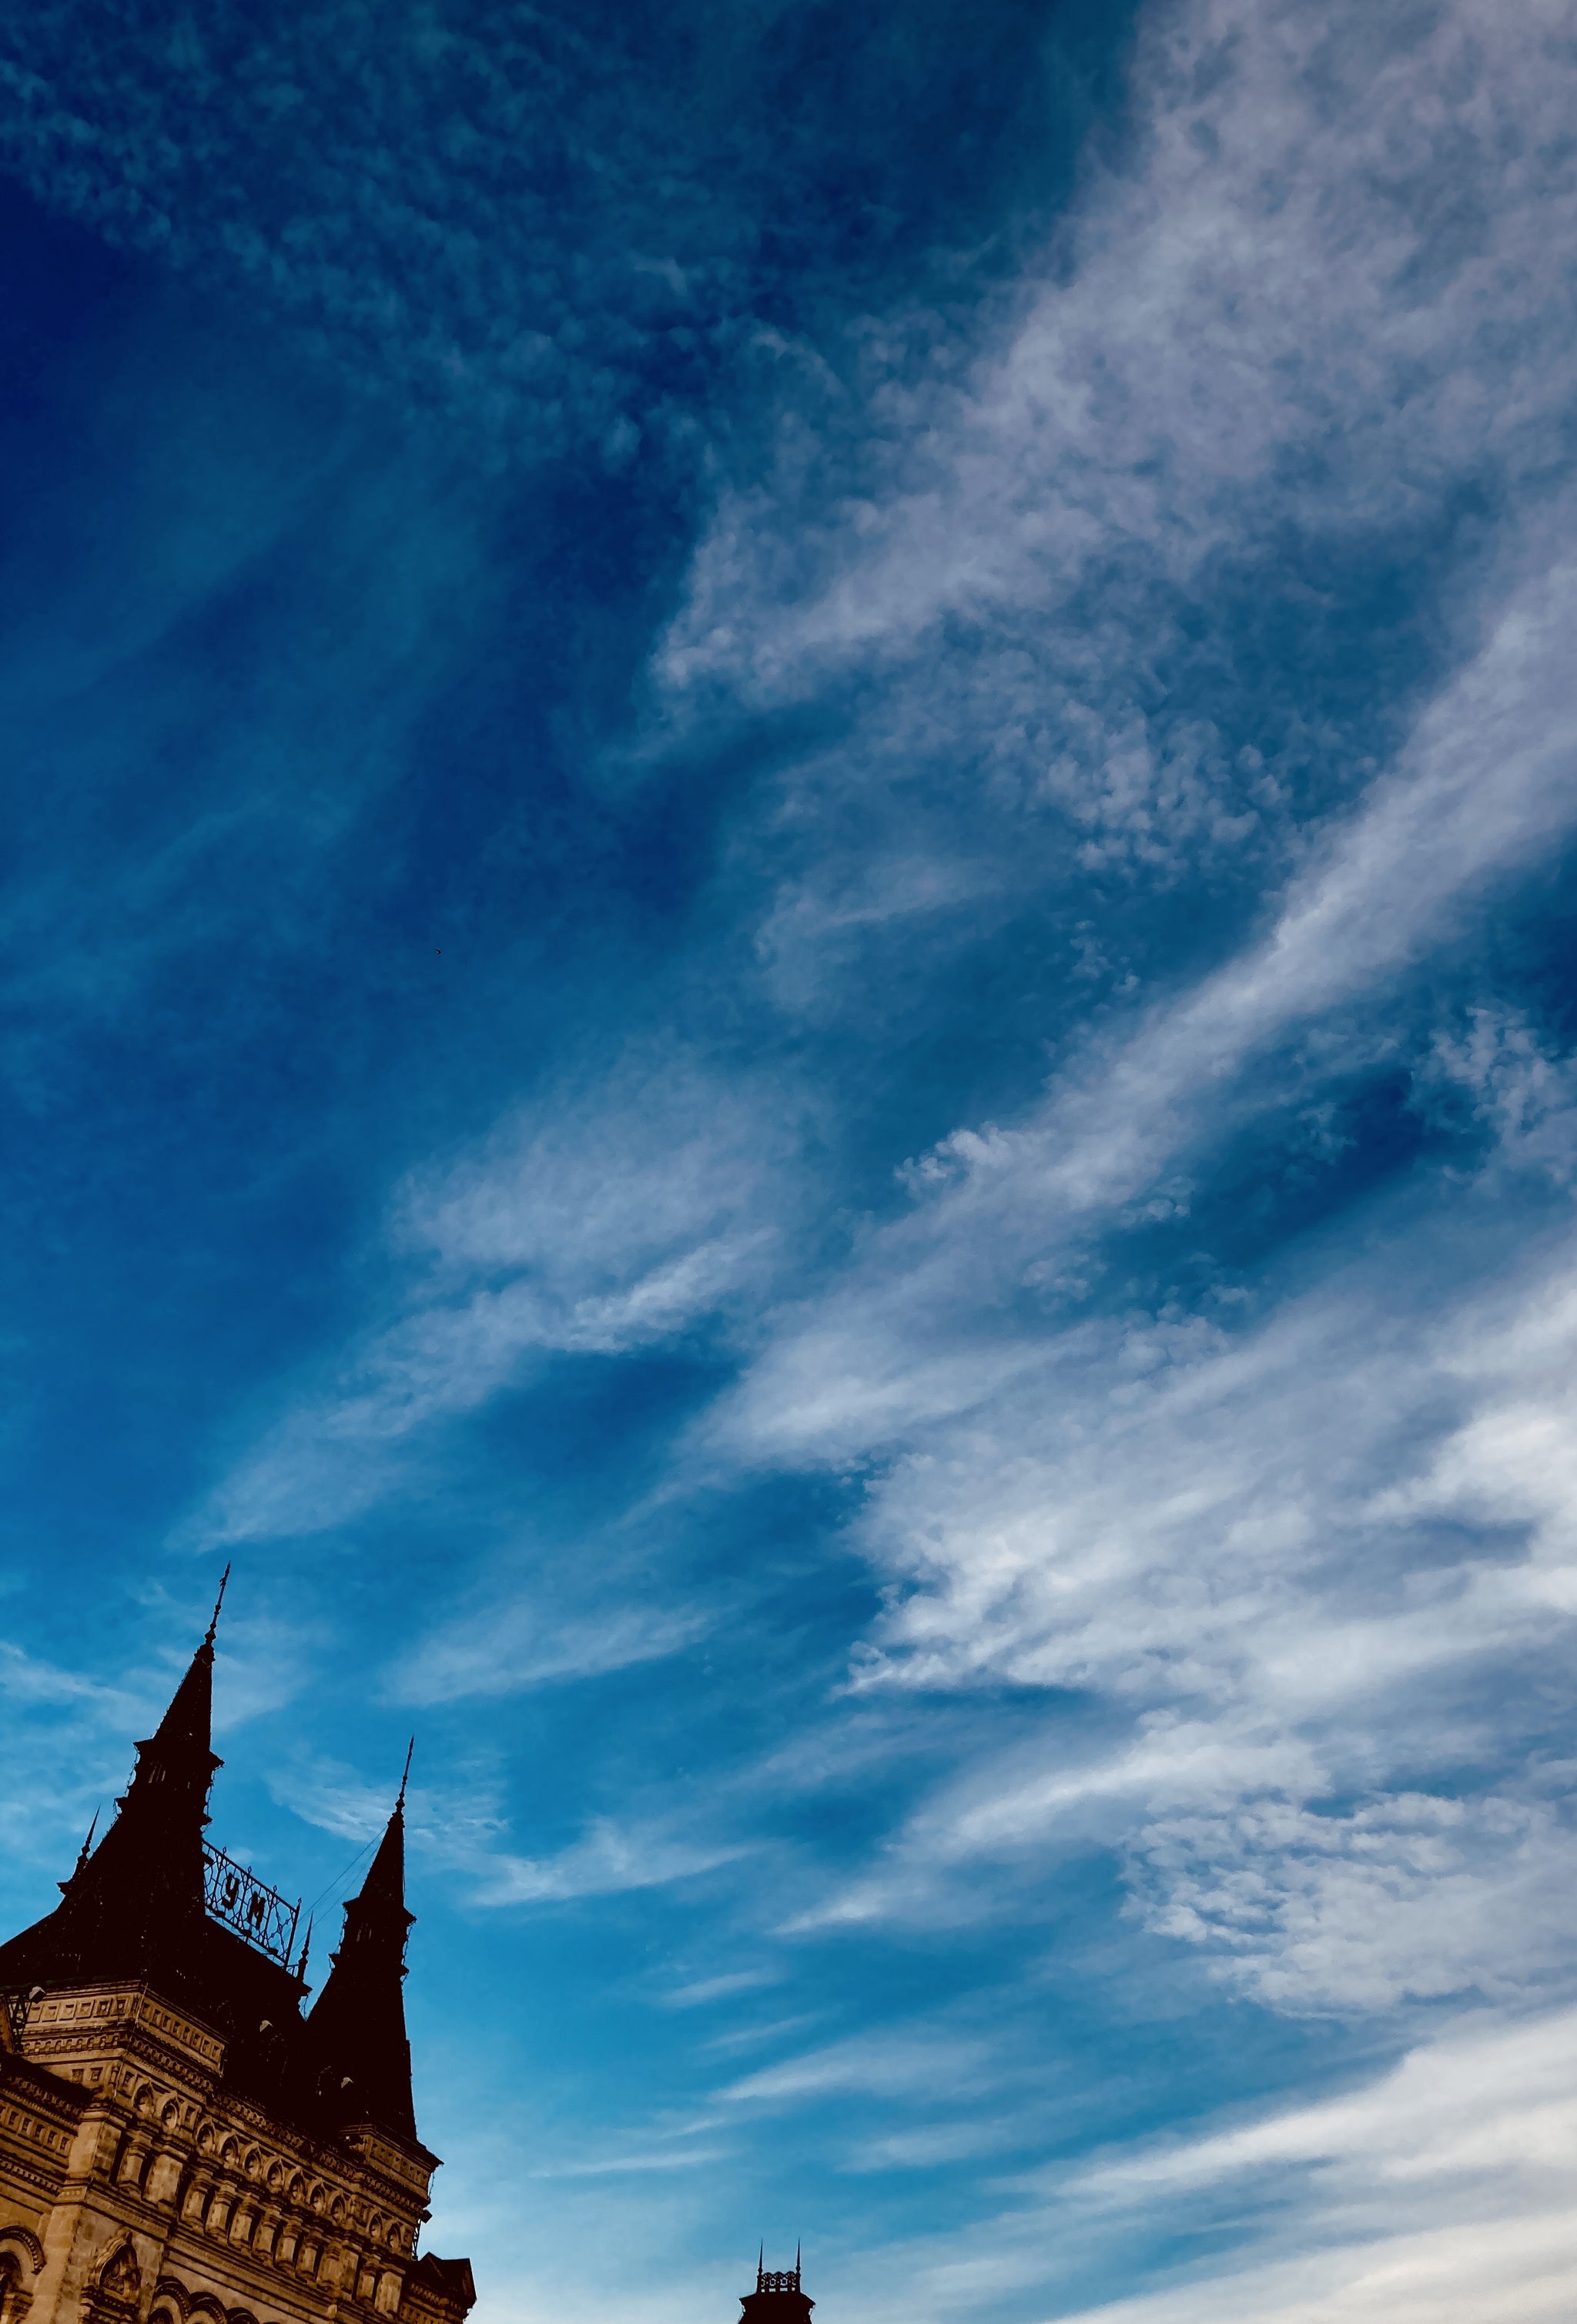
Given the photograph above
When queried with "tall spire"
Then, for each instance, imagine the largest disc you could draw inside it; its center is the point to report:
(149, 1866)
(137, 1899)
(218, 1602)
(357, 2025)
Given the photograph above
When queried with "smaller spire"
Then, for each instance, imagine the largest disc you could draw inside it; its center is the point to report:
(405, 1779)
(357, 2025)
(218, 1602)
(305, 1948)
(762, 2265)
(83, 1853)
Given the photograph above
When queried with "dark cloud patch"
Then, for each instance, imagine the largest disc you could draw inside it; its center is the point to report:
(542, 223)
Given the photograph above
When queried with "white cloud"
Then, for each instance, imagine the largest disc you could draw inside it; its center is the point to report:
(687, 2159)
(1440, 2191)
(1313, 309)
(1298, 1566)
(1269, 299)
(608, 1856)
(1488, 778)
(918, 2063)
(1526, 1097)
(519, 1644)
(1440, 2194)
(1286, 1579)
(605, 1217)
(1490, 2094)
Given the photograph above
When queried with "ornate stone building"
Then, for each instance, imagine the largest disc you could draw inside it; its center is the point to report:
(177, 2141)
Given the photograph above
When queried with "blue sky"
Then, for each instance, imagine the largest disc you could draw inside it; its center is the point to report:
(786, 1002)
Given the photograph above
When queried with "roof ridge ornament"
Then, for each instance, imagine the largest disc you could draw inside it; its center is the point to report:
(405, 1779)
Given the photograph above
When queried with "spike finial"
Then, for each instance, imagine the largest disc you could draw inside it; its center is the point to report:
(405, 1779)
(762, 2265)
(83, 1853)
(797, 2249)
(305, 1948)
(218, 1602)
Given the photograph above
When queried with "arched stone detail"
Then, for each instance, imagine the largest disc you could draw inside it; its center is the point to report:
(203, 2303)
(175, 2293)
(26, 2245)
(14, 2299)
(120, 2275)
(116, 2293)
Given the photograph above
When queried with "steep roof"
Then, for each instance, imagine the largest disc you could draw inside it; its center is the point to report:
(133, 1908)
(137, 1900)
(357, 2031)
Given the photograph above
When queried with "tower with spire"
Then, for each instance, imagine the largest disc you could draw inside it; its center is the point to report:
(777, 2298)
(179, 2135)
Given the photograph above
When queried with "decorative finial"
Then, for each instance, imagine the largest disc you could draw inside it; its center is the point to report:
(305, 1948)
(796, 2263)
(405, 1779)
(218, 1602)
(83, 1853)
(762, 2265)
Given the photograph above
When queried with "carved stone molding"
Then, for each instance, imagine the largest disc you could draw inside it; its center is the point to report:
(22, 2240)
(120, 2277)
(101, 2307)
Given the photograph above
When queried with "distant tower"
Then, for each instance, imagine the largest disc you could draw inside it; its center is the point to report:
(777, 2298)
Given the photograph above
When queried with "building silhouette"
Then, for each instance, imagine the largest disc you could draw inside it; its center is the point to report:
(777, 2298)
(177, 2140)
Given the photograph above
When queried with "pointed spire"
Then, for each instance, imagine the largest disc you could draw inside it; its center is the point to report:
(405, 1779)
(135, 1901)
(218, 1602)
(181, 1740)
(154, 1850)
(83, 1853)
(357, 2025)
(382, 1890)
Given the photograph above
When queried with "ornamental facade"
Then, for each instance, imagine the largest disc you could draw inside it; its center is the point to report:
(179, 2138)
